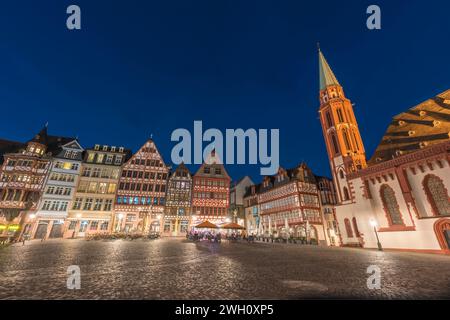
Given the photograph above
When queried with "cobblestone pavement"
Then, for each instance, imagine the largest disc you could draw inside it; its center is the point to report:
(178, 269)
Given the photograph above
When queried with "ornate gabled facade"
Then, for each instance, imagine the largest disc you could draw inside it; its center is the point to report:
(211, 192)
(289, 205)
(59, 191)
(24, 172)
(402, 195)
(340, 129)
(92, 208)
(177, 214)
(141, 194)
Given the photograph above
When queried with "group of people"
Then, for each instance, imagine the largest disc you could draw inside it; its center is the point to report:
(212, 236)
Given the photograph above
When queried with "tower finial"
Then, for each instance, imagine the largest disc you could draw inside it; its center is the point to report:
(46, 124)
(318, 46)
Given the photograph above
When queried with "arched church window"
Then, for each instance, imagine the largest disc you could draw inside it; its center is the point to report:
(391, 206)
(437, 195)
(346, 140)
(355, 139)
(335, 144)
(341, 174)
(346, 194)
(348, 228)
(355, 227)
(340, 116)
(330, 123)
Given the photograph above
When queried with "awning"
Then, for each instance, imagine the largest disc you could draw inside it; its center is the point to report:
(232, 225)
(206, 225)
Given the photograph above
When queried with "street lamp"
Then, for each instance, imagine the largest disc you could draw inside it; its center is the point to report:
(373, 223)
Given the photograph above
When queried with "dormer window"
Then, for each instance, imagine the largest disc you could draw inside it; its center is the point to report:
(121, 149)
(105, 148)
(97, 147)
(113, 149)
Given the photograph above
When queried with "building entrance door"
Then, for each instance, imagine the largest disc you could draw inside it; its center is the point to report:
(41, 230)
(442, 230)
(56, 231)
(447, 237)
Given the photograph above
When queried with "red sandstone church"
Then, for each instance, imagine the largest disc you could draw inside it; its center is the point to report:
(401, 193)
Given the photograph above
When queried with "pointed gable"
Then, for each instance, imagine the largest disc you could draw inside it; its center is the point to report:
(148, 155)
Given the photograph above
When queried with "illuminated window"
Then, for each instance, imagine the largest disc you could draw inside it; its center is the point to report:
(112, 188)
(91, 157)
(100, 158)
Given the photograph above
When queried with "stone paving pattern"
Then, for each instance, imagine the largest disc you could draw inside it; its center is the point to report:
(179, 269)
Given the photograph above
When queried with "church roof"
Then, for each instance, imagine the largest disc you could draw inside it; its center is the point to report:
(327, 77)
(423, 125)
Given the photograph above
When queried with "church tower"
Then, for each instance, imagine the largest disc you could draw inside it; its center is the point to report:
(340, 129)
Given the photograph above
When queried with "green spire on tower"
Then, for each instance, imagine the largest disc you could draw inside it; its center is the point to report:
(327, 77)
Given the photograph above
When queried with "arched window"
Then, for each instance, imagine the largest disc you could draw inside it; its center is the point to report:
(341, 174)
(340, 116)
(335, 144)
(348, 228)
(355, 227)
(330, 123)
(346, 194)
(437, 195)
(391, 206)
(346, 140)
(356, 139)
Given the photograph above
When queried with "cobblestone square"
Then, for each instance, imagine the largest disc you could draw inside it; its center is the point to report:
(179, 269)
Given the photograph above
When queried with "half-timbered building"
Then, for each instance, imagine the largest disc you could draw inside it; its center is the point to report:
(177, 214)
(141, 194)
(290, 207)
(211, 192)
(24, 172)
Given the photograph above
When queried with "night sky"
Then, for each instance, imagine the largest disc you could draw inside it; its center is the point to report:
(148, 67)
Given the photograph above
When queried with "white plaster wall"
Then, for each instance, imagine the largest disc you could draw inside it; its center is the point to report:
(423, 238)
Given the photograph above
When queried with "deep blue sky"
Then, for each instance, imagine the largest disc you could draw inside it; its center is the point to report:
(141, 67)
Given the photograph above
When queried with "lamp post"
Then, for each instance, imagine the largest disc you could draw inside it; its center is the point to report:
(373, 223)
